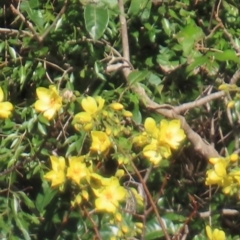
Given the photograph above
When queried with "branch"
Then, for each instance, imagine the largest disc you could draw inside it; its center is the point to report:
(36, 35)
(227, 34)
(62, 11)
(198, 103)
(153, 205)
(199, 145)
(14, 31)
(29, 24)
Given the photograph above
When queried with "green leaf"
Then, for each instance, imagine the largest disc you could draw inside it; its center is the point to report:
(199, 61)
(12, 52)
(22, 74)
(166, 26)
(146, 6)
(188, 36)
(154, 79)
(21, 228)
(137, 116)
(137, 7)
(42, 128)
(228, 55)
(96, 20)
(26, 199)
(98, 72)
(134, 7)
(43, 199)
(137, 76)
(37, 17)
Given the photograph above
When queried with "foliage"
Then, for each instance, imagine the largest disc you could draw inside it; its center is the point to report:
(87, 150)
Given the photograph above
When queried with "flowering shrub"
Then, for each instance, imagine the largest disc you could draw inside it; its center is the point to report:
(119, 119)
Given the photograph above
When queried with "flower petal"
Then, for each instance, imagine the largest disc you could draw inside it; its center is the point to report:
(89, 105)
(1, 95)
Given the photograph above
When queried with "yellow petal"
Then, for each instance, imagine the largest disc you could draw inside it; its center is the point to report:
(220, 169)
(150, 125)
(44, 94)
(58, 163)
(49, 114)
(103, 205)
(1, 95)
(57, 178)
(212, 178)
(218, 234)
(209, 232)
(89, 105)
(82, 117)
(100, 102)
(41, 106)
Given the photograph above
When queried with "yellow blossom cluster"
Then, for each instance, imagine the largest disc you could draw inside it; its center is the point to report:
(222, 175)
(108, 191)
(76, 171)
(158, 140)
(95, 114)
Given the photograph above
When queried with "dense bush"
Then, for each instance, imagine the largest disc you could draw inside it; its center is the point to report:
(119, 119)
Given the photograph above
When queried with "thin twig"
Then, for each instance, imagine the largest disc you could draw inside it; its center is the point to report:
(93, 224)
(46, 32)
(29, 24)
(227, 34)
(153, 205)
(14, 31)
(31, 27)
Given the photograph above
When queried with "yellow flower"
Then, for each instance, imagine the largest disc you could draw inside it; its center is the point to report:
(109, 196)
(57, 175)
(216, 175)
(49, 101)
(84, 120)
(171, 133)
(100, 142)
(155, 152)
(140, 140)
(219, 176)
(151, 152)
(116, 106)
(5, 107)
(92, 105)
(77, 169)
(216, 234)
